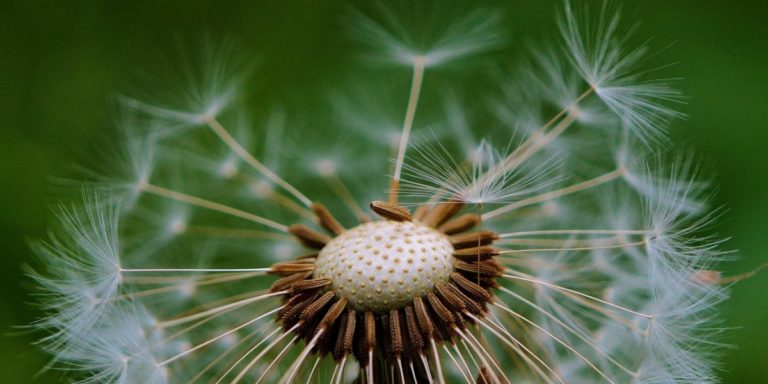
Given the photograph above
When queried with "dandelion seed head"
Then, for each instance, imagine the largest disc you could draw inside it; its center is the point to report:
(537, 225)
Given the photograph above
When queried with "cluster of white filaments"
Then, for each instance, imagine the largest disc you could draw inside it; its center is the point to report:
(551, 251)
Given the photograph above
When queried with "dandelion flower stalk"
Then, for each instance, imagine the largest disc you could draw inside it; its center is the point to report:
(556, 249)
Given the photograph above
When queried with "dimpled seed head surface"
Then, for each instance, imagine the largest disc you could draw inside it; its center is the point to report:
(383, 265)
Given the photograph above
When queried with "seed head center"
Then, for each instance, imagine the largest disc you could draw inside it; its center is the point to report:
(384, 265)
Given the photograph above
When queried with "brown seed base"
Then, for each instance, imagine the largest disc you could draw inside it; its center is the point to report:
(383, 343)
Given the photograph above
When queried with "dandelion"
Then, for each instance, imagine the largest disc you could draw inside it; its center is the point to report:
(547, 244)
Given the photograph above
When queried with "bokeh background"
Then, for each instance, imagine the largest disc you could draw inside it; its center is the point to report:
(63, 62)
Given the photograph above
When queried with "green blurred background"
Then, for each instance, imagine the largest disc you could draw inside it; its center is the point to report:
(61, 62)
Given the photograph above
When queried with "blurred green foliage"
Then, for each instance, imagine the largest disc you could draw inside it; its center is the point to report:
(62, 63)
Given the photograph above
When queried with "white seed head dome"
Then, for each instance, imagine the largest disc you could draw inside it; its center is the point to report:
(383, 265)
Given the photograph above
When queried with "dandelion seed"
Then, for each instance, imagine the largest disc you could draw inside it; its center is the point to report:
(426, 34)
(598, 51)
(528, 256)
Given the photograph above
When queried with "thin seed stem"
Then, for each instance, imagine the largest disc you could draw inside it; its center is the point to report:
(195, 283)
(400, 370)
(312, 371)
(577, 232)
(212, 311)
(277, 358)
(605, 311)
(419, 64)
(549, 242)
(591, 183)
(536, 142)
(568, 108)
(241, 152)
(590, 248)
(369, 368)
(255, 347)
(569, 329)
(413, 372)
(195, 270)
(456, 363)
(211, 340)
(471, 355)
(303, 356)
(438, 365)
(561, 288)
(558, 340)
(471, 342)
(340, 373)
(194, 326)
(214, 206)
(483, 351)
(222, 356)
(425, 364)
(518, 347)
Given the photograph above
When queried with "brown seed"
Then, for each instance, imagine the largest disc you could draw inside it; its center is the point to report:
(416, 341)
(473, 306)
(333, 313)
(313, 309)
(346, 335)
(308, 236)
(370, 331)
(311, 319)
(291, 267)
(294, 307)
(326, 219)
(390, 211)
(287, 282)
(474, 239)
(443, 313)
(485, 268)
(397, 345)
(473, 290)
(452, 301)
(472, 254)
(422, 316)
(310, 284)
(364, 340)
